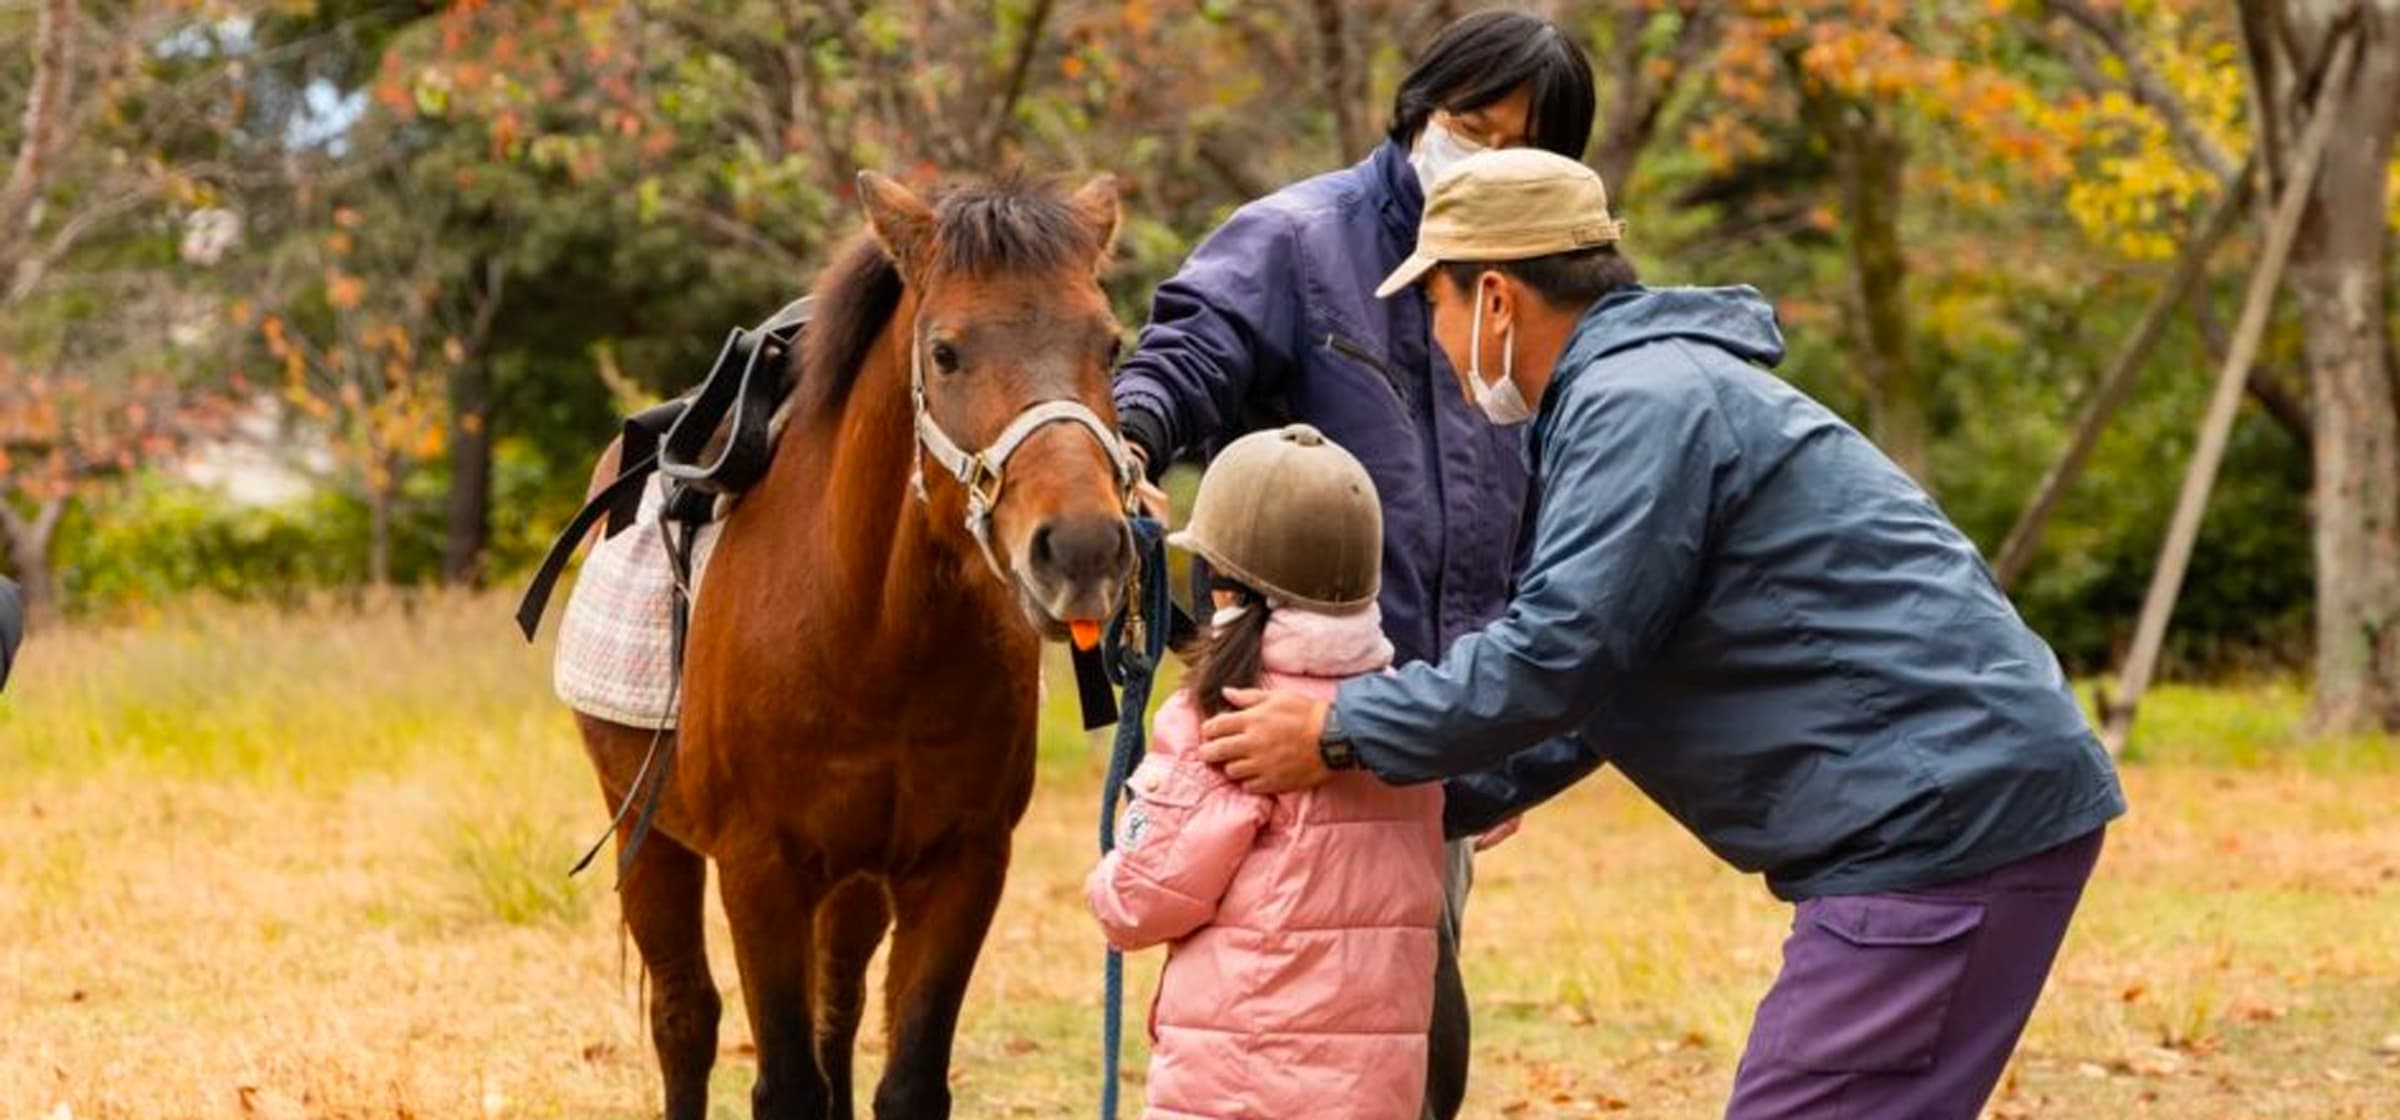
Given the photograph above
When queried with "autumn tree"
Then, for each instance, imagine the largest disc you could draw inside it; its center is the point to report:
(114, 144)
(2337, 280)
(1881, 98)
(2340, 284)
(366, 346)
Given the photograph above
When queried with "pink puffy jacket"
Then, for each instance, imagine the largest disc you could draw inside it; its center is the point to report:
(1300, 979)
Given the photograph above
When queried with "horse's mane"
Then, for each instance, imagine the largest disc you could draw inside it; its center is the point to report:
(1008, 225)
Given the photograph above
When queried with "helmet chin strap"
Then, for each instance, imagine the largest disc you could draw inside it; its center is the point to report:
(983, 474)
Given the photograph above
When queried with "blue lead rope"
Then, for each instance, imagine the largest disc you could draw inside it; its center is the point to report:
(1137, 642)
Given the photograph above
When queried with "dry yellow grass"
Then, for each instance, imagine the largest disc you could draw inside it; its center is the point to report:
(281, 866)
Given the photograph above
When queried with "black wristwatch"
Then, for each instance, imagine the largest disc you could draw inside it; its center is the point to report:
(1333, 746)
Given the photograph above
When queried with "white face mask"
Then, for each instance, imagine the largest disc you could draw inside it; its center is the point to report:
(1437, 150)
(1500, 401)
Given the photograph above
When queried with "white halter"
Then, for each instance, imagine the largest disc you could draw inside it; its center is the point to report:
(983, 473)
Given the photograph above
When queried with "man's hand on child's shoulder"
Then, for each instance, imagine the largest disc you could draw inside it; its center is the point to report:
(1268, 742)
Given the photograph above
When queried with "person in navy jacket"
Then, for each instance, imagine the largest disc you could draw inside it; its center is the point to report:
(1274, 319)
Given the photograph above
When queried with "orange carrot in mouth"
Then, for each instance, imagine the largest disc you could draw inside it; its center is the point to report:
(1085, 631)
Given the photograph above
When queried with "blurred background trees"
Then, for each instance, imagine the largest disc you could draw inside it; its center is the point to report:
(302, 296)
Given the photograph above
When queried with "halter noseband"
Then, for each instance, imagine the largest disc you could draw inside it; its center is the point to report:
(984, 473)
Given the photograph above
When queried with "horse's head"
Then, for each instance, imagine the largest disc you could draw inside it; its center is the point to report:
(1009, 318)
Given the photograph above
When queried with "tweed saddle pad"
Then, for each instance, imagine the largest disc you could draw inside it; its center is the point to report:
(615, 656)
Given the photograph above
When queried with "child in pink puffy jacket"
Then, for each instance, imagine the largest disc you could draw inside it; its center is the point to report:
(1299, 976)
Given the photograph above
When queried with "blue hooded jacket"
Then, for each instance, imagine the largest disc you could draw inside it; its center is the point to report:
(1274, 319)
(1773, 632)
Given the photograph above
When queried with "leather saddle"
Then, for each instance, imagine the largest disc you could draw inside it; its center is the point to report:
(713, 442)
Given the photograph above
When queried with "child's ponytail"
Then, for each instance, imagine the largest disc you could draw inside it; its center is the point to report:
(1233, 652)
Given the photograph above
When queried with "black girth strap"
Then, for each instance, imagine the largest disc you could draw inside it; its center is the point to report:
(750, 379)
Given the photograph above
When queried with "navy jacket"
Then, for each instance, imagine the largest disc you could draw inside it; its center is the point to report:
(1274, 319)
(1755, 615)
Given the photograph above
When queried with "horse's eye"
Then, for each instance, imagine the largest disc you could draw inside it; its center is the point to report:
(1116, 350)
(945, 357)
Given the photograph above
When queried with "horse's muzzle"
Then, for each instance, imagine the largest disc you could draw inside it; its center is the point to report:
(1076, 567)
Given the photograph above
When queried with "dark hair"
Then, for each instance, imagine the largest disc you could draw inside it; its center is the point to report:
(1562, 279)
(1232, 656)
(1485, 57)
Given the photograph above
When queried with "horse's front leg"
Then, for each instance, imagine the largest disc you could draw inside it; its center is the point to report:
(772, 909)
(943, 907)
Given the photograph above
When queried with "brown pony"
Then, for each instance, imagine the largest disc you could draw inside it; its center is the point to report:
(857, 734)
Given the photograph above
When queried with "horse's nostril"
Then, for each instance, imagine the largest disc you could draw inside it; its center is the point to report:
(1092, 548)
(1040, 547)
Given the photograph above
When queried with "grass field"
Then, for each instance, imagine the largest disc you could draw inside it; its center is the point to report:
(280, 865)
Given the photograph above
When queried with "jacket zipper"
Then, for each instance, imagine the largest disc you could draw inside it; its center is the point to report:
(1359, 354)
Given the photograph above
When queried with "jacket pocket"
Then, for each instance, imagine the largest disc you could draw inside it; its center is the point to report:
(1161, 795)
(1868, 982)
(1360, 355)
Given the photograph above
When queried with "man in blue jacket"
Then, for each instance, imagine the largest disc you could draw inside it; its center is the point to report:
(1773, 633)
(1274, 318)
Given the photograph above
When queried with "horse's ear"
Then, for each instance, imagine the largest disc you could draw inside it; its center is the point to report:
(1096, 204)
(900, 221)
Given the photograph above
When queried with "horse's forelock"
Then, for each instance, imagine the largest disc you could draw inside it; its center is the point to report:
(1010, 225)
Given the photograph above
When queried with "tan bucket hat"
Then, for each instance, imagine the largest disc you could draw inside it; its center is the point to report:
(1508, 205)
(1292, 514)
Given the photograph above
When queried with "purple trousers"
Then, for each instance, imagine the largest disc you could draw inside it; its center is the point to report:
(1906, 1005)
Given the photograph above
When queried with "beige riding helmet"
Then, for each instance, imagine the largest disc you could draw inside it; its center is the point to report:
(1291, 514)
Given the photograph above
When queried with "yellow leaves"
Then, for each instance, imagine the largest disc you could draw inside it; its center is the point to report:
(2133, 183)
(2134, 202)
(1726, 140)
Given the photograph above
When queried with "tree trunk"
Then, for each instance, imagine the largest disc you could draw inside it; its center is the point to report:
(469, 527)
(45, 110)
(1869, 157)
(2339, 284)
(379, 537)
(29, 556)
(1343, 79)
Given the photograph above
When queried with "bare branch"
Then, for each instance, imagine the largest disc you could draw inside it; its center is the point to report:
(2289, 411)
(30, 270)
(487, 308)
(45, 107)
(1639, 98)
(2191, 263)
(1012, 89)
(1230, 168)
(738, 232)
